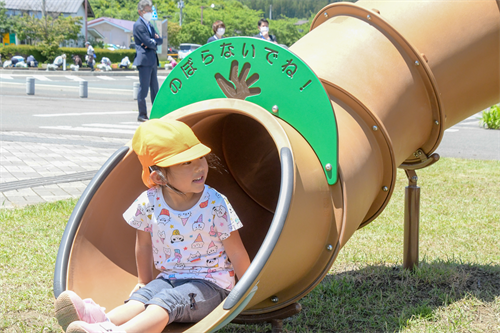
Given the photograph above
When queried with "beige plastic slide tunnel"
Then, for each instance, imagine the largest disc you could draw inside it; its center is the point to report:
(301, 177)
(273, 180)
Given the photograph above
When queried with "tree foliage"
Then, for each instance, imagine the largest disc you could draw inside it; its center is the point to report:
(119, 9)
(239, 20)
(286, 30)
(5, 21)
(289, 8)
(48, 32)
(239, 16)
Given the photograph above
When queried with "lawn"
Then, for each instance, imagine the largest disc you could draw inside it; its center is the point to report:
(456, 287)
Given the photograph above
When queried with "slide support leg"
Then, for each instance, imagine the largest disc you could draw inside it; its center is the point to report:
(412, 217)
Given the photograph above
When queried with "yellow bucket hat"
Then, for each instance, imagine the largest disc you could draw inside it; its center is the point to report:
(165, 143)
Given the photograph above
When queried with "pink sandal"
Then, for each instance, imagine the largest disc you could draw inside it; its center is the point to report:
(70, 307)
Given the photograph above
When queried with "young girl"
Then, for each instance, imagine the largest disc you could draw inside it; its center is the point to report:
(188, 229)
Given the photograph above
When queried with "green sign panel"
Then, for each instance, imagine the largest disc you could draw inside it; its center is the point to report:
(259, 72)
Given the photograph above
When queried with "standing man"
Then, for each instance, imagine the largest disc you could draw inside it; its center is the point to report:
(264, 31)
(90, 56)
(146, 41)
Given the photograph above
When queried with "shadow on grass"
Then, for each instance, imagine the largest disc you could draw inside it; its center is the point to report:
(382, 298)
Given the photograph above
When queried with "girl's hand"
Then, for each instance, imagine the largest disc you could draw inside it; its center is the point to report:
(137, 287)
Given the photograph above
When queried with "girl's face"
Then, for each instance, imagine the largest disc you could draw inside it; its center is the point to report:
(189, 177)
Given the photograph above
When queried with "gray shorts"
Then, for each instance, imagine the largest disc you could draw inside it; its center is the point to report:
(187, 301)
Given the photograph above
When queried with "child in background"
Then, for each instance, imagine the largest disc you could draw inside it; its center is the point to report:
(188, 229)
(172, 61)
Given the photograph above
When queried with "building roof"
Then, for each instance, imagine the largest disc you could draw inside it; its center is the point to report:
(300, 22)
(125, 25)
(94, 33)
(51, 6)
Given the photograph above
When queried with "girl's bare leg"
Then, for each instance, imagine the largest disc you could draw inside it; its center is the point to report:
(154, 319)
(122, 314)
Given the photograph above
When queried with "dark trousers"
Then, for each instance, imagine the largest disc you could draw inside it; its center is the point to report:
(90, 62)
(148, 79)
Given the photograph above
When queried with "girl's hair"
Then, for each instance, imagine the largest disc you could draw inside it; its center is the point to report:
(218, 24)
(213, 162)
(162, 173)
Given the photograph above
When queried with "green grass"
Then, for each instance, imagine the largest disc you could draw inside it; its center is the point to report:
(29, 240)
(456, 287)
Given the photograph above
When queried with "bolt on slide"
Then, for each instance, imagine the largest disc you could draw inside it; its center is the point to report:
(310, 137)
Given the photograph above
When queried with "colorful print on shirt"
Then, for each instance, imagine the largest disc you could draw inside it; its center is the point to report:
(188, 244)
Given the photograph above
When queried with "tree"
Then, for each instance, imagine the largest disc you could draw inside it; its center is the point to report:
(194, 32)
(127, 10)
(48, 32)
(173, 33)
(286, 31)
(239, 20)
(290, 8)
(5, 20)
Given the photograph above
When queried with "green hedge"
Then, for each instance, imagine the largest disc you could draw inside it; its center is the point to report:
(114, 56)
(9, 51)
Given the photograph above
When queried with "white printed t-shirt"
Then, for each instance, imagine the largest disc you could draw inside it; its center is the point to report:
(188, 244)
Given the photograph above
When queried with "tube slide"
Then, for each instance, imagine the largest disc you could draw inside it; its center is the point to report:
(309, 139)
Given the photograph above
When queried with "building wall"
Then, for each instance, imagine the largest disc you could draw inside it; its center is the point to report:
(81, 13)
(114, 35)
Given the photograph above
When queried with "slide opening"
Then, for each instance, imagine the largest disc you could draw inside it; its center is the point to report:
(249, 172)
(102, 261)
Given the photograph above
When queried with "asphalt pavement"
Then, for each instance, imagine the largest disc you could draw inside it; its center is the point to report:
(53, 143)
(44, 157)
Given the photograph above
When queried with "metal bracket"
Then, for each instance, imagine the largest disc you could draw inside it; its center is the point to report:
(425, 161)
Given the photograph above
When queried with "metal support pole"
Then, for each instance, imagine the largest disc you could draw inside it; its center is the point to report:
(180, 5)
(135, 91)
(84, 91)
(86, 22)
(30, 85)
(412, 219)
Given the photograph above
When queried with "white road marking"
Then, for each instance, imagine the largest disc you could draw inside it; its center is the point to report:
(90, 129)
(74, 78)
(132, 77)
(162, 77)
(41, 78)
(113, 126)
(451, 130)
(83, 114)
(128, 91)
(4, 76)
(105, 78)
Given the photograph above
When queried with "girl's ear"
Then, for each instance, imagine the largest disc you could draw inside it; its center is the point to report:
(157, 178)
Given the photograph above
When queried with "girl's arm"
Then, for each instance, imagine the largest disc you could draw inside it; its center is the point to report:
(143, 258)
(237, 253)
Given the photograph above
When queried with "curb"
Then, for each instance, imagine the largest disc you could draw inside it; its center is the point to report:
(28, 72)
